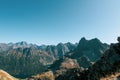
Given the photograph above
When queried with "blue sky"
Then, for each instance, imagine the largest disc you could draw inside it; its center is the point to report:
(54, 21)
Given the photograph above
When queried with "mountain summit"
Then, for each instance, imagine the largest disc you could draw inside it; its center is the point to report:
(88, 51)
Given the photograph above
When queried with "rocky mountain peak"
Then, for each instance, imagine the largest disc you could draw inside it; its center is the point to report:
(24, 43)
(83, 40)
(95, 40)
(91, 49)
(118, 39)
(21, 44)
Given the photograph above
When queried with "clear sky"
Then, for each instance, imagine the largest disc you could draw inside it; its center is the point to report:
(54, 21)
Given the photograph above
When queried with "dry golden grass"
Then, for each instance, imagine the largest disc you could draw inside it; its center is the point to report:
(5, 76)
(45, 76)
(111, 77)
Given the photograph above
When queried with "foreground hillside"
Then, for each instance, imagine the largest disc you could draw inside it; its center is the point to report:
(43, 76)
(5, 76)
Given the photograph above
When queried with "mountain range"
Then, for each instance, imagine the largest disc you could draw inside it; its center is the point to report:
(31, 61)
(22, 59)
